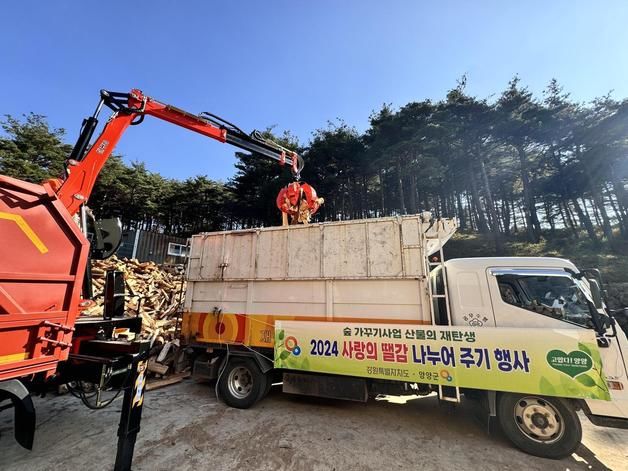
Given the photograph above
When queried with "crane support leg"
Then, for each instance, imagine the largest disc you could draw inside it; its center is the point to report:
(131, 415)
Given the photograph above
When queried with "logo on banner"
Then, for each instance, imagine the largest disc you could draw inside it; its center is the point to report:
(572, 363)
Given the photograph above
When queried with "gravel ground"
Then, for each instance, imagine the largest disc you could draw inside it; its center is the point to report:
(184, 427)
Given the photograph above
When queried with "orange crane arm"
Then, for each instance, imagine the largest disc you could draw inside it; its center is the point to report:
(129, 109)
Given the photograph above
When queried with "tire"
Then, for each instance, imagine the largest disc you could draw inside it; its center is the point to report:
(241, 383)
(542, 426)
(269, 384)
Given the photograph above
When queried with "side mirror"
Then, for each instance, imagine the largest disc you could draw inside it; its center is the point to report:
(607, 322)
(596, 293)
(603, 339)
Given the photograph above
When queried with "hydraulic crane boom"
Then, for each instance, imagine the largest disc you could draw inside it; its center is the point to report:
(45, 278)
(129, 109)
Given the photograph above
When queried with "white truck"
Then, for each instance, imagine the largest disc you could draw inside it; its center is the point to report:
(349, 310)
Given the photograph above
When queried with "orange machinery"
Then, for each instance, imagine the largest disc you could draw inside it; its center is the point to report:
(44, 255)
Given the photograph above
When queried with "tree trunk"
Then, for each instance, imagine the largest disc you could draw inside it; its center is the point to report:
(365, 197)
(506, 216)
(549, 215)
(381, 190)
(532, 220)
(622, 199)
(585, 220)
(460, 211)
(566, 216)
(491, 208)
(586, 210)
(413, 203)
(524, 220)
(402, 201)
(596, 214)
(570, 215)
(472, 224)
(481, 219)
(598, 200)
(621, 218)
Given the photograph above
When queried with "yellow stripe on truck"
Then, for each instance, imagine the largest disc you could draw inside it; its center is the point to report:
(257, 330)
(13, 357)
(26, 229)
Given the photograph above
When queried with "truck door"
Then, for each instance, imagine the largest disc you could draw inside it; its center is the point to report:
(552, 298)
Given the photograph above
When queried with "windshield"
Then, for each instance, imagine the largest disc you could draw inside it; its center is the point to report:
(560, 297)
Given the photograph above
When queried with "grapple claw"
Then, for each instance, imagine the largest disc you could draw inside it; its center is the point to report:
(299, 201)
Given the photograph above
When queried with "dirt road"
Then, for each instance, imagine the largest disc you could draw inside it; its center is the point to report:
(186, 428)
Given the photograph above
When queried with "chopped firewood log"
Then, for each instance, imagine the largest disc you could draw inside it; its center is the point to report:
(164, 352)
(173, 379)
(157, 368)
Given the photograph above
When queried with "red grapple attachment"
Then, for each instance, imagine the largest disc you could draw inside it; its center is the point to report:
(299, 201)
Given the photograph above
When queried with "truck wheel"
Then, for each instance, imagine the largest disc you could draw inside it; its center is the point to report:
(542, 426)
(241, 383)
(269, 384)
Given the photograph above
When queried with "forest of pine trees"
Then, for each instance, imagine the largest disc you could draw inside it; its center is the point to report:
(513, 164)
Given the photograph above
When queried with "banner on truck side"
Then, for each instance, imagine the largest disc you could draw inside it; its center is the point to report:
(552, 362)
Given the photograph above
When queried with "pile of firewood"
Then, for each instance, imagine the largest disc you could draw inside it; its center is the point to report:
(152, 292)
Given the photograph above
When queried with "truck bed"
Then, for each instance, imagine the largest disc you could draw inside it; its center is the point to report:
(372, 270)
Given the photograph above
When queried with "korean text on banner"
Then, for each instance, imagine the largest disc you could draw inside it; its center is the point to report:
(552, 362)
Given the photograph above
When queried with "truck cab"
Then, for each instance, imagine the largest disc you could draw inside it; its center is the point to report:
(538, 292)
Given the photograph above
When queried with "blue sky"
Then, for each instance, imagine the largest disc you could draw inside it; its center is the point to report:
(293, 64)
